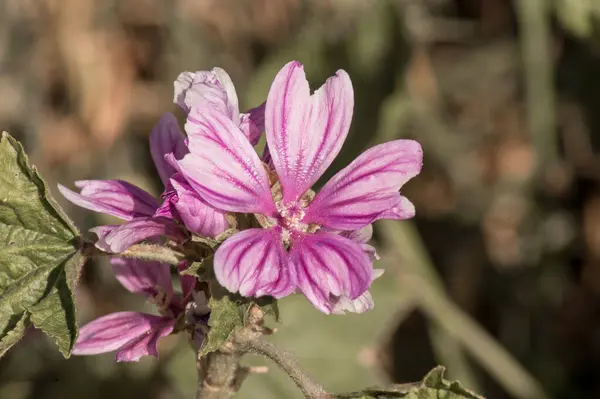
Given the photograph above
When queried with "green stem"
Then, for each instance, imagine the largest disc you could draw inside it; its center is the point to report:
(288, 363)
(217, 373)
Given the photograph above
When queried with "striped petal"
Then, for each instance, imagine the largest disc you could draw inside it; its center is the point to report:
(305, 133)
(363, 236)
(223, 167)
(113, 197)
(146, 344)
(166, 138)
(363, 303)
(254, 263)
(328, 265)
(143, 277)
(132, 334)
(196, 214)
(367, 189)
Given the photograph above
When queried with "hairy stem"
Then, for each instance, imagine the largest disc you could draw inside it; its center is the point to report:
(217, 374)
(288, 363)
(220, 374)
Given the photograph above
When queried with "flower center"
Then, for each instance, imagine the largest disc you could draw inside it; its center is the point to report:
(291, 215)
(290, 220)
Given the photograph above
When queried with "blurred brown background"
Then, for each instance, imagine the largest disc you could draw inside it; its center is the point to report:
(498, 277)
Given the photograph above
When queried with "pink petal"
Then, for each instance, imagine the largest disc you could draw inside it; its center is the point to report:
(113, 197)
(212, 89)
(367, 189)
(328, 264)
(196, 214)
(252, 123)
(223, 167)
(305, 133)
(254, 263)
(266, 157)
(147, 344)
(226, 84)
(103, 231)
(169, 197)
(181, 86)
(166, 138)
(143, 277)
(363, 236)
(124, 330)
(371, 252)
(361, 304)
(119, 238)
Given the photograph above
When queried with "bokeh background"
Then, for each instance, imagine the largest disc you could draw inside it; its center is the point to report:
(498, 276)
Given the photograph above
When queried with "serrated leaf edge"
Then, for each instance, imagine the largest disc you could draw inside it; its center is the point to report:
(37, 179)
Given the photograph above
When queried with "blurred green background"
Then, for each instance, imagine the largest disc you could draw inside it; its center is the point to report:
(498, 276)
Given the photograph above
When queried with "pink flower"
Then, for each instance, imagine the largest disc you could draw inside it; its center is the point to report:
(146, 217)
(300, 246)
(134, 334)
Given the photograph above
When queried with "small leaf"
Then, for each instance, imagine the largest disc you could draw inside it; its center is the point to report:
(213, 243)
(39, 258)
(208, 242)
(201, 269)
(438, 387)
(226, 234)
(433, 386)
(225, 316)
(228, 311)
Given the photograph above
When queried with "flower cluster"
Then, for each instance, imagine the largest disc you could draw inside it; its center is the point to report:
(299, 240)
(134, 334)
(146, 217)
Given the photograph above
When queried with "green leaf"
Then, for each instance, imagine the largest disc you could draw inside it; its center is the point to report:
(39, 259)
(55, 314)
(14, 332)
(228, 311)
(25, 199)
(225, 316)
(201, 269)
(213, 243)
(433, 386)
